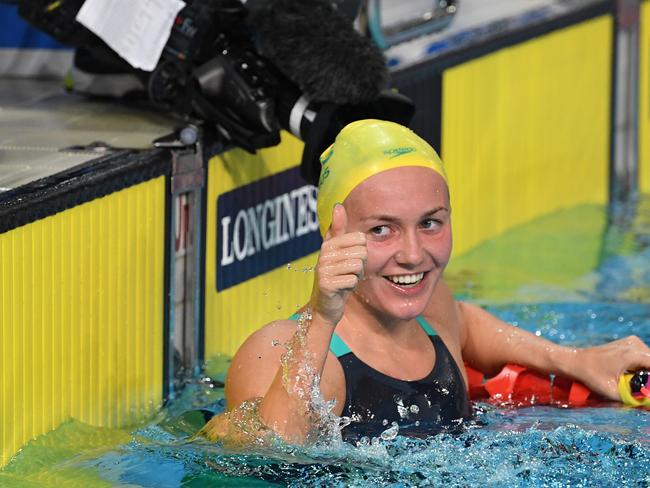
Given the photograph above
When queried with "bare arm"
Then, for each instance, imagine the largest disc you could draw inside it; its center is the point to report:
(489, 343)
(283, 379)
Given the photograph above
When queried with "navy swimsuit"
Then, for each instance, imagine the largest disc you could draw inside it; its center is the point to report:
(422, 407)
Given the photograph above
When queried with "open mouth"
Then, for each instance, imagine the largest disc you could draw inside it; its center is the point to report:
(406, 281)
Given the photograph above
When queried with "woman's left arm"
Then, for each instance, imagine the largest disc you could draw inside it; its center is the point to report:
(489, 343)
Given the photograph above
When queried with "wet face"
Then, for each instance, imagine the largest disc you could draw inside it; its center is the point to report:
(405, 215)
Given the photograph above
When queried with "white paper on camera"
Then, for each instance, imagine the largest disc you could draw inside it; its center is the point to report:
(136, 30)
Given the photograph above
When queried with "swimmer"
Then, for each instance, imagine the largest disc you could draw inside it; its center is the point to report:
(382, 335)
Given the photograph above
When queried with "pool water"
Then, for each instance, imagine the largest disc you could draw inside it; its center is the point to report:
(579, 277)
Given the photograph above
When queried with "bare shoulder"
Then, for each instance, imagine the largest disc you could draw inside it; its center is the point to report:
(256, 362)
(267, 340)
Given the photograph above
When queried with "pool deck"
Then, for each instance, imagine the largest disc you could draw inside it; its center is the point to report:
(45, 130)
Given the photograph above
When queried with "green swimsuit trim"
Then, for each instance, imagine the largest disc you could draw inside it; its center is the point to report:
(340, 348)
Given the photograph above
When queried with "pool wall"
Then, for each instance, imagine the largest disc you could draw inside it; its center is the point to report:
(82, 310)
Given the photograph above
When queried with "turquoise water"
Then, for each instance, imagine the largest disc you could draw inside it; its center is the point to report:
(599, 292)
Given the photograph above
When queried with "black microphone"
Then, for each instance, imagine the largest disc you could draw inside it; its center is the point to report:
(315, 45)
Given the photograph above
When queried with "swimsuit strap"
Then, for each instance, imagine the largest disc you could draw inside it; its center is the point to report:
(425, 326)
(339, 348)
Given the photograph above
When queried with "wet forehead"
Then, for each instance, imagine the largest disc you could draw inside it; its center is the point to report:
(408, 191)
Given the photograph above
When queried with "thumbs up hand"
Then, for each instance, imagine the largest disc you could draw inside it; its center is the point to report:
(340, 266)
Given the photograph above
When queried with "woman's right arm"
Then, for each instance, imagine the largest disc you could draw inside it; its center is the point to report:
(283, 377)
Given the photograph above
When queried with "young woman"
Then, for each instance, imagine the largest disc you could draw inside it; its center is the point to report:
(382, 335)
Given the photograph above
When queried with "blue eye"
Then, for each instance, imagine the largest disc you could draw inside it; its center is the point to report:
(431, 224)
(380, 231)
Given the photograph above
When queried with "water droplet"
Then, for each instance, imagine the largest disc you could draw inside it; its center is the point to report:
(384, 422)
(288, 265)
(414, 409)
(275, 342)
(390, 433)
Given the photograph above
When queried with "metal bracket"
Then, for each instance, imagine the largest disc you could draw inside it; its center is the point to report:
(624, 169)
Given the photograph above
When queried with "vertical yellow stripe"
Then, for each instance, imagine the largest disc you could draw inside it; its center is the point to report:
(130, 325)
(117, 323)
(85, 349)
(28, 331)
(76, 331)
(17, 367)
(35, 292)
(94, 332)
(644, 99)
(138, 322)
(6, 313)
(3, 338)
(5, 258)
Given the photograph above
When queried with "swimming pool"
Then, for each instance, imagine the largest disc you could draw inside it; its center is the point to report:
(598, 290)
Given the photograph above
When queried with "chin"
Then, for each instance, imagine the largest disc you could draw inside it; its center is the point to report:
(405, 311)
(386, 298)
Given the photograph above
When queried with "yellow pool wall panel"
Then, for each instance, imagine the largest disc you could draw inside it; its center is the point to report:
(526, 130)
(81, 316)
(644, 99)
(232, 314)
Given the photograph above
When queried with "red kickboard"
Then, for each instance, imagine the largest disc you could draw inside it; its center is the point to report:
(518, 386)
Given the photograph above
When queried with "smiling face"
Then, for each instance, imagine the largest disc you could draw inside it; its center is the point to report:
(405, 215)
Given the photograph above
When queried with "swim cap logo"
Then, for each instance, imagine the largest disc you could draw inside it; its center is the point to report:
(325, 159)
(323, 176)
(325, 172)
(398, 151)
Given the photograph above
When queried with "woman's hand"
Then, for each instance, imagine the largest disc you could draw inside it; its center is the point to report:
(340, 266)
(600, 367)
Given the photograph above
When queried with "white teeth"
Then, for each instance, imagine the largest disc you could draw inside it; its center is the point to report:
(406, 279)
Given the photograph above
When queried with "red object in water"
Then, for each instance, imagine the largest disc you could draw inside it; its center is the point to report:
(476, 382)
(519, 386)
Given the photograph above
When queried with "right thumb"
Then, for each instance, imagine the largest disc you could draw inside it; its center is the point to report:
(339, 220)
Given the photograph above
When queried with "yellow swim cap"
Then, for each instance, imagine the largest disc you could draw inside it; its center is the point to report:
(363, 149)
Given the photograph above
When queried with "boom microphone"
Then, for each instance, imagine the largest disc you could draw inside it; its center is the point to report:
(316, 46)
